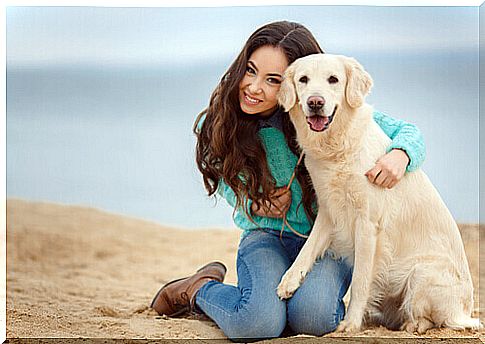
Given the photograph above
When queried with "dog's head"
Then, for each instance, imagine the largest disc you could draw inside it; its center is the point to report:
(321, 84)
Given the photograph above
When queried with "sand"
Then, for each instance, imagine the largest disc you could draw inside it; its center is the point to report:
(81, 272)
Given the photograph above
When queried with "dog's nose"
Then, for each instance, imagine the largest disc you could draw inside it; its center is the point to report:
(315, 103)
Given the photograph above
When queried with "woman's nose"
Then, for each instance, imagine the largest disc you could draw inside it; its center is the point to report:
(255, 86)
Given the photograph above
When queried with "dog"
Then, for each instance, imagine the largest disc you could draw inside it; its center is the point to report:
(409, 266)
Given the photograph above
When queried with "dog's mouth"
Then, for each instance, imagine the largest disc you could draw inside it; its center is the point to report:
(320, 123)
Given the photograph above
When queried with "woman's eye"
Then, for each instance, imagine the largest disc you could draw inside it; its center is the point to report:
(274, 81)
(250, 70)
(333, 80)
(303, 79)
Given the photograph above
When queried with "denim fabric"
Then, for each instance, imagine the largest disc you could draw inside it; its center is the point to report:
(252, 310)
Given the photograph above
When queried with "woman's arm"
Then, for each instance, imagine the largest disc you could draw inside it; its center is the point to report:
(405, 153)
(281, 201)
(229, 195)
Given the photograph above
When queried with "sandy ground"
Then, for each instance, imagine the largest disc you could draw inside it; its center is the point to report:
(80, 272)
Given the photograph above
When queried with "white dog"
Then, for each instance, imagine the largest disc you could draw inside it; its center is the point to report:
(410, 269)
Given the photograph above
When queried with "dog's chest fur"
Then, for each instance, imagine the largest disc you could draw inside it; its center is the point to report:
(337, 170)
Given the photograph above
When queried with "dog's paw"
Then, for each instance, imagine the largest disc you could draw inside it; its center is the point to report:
(349, 326)
(290, 282)
(410, 327)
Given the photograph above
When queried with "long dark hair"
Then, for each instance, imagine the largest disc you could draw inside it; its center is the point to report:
(228, 146)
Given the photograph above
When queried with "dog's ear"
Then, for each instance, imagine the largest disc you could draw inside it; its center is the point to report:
(359, 83)
(287, 93)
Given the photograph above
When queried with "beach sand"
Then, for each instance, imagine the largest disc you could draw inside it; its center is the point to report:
(81, 272)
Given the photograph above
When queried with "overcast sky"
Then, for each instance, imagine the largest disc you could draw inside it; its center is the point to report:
(44, 35)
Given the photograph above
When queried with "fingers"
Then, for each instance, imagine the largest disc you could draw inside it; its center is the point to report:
(284, 198)
(392, 184)
(379, 179)
(280, 191)
(384, 176)
(389, 169)
(385, 181)
(275, 210)
(280, 201)
(373, 173)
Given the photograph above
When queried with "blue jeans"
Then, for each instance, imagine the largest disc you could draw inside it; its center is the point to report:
(254, 310)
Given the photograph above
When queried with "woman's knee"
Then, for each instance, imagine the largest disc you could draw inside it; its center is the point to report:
(317, 307)
(315, 317)
(257, 324)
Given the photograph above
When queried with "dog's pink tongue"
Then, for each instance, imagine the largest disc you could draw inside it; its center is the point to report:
(317, 123)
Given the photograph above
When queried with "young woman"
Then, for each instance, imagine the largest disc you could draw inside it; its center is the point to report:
(247, 153)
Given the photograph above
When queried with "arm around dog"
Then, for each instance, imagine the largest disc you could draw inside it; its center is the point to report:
(404, 136)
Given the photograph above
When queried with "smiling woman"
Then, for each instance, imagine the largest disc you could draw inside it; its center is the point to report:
(229, 136)
(261, 82)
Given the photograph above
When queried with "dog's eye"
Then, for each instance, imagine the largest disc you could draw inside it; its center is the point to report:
(332, 80)
(304, 79)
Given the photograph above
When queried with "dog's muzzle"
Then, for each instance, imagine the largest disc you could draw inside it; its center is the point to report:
(320, 123)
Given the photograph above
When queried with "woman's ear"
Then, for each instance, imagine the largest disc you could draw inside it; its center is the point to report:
(287, 93)
(359, 82)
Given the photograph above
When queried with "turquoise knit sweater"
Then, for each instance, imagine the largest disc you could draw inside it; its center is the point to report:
(282, 161)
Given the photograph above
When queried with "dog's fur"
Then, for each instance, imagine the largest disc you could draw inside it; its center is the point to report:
(409, 265)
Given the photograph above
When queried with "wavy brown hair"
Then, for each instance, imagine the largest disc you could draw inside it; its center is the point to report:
(228, 146)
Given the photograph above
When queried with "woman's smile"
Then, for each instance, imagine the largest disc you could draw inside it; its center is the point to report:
(262, 80)
(251, 100)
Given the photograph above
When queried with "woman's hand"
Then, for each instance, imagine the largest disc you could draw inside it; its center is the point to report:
(389, 169)
(280, 203)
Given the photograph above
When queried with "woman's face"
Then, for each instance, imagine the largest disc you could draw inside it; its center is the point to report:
(261, 82)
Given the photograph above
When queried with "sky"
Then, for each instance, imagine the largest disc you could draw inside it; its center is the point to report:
(190, 35)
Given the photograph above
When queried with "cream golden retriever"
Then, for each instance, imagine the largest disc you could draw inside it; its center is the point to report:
(409, 265)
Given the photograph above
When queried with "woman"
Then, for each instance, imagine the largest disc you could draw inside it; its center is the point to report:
(246, 151)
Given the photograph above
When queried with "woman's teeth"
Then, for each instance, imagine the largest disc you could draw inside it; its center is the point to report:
(251, 100)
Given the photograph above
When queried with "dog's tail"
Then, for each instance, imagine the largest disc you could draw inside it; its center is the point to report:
(462, 322)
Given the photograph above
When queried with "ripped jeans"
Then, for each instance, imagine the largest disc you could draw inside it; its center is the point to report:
(253, 310)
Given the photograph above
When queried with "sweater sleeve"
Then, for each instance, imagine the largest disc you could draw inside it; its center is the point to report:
(405, 136)
(229, 195)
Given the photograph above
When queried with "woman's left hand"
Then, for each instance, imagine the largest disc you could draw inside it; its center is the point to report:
(389, 169)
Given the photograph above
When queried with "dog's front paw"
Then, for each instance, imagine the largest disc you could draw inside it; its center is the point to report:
(289, 283)
(349, 326)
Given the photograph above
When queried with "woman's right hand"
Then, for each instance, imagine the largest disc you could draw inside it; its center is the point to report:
(280, 203)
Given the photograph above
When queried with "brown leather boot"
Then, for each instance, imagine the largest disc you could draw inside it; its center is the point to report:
(178, 297)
